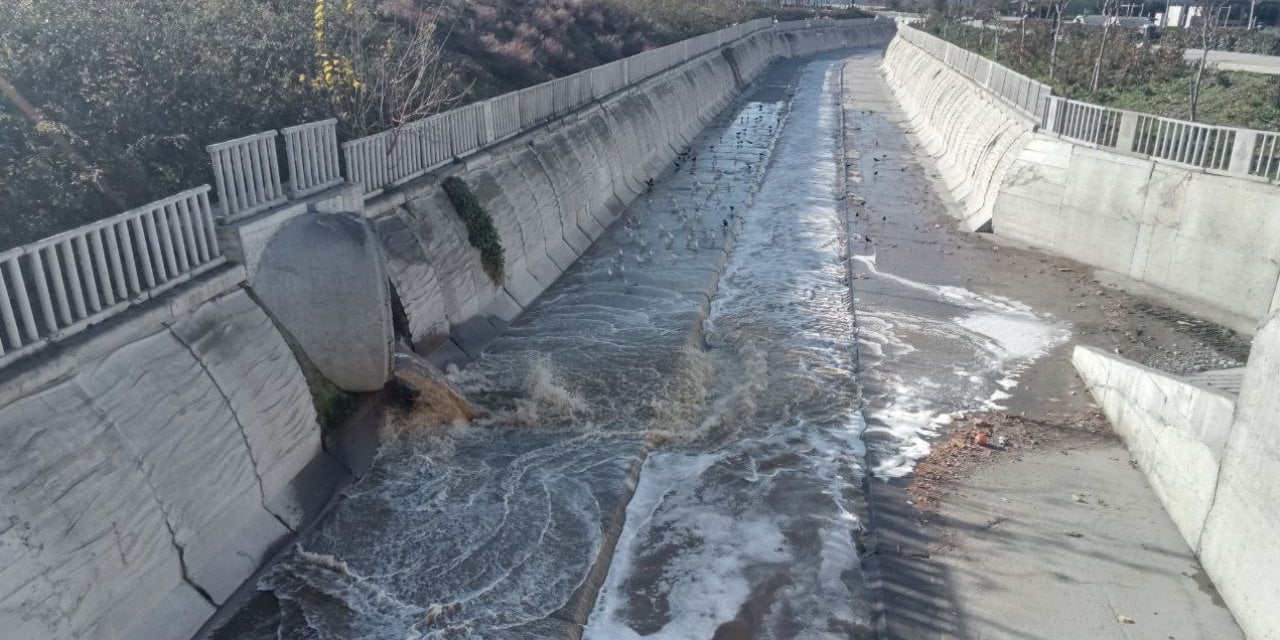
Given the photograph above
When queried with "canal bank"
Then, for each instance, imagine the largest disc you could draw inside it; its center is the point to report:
(1054, 535)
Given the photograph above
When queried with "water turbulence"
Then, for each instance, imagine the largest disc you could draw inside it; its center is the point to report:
(502, 528)
(751, 530)
(671, 439)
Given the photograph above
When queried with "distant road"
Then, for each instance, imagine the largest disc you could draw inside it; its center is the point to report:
(1230, 61)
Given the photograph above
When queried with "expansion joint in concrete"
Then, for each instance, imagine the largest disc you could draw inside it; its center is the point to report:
(155, 495)
(244, 435)
(1197, 546)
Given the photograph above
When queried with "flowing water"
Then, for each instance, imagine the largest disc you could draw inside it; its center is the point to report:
(696, 372)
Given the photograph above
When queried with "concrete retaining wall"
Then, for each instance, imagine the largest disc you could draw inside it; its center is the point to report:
(1213, 459)
(1239, 546)
(1175, 430)
(1208, 238)
(553, 192)
(143, 487)
(973, 136)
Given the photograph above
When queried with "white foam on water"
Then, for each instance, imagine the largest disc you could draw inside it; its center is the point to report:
(1005, 337)
(770, 515)
(1019, 335)
(706, 584)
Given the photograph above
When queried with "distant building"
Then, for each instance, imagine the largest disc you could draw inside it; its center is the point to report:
(1188, 13)
(1180, 14)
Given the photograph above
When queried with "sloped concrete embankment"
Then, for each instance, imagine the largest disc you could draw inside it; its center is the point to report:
(153, 462)
(149, 469)
(1206, 238)
(552, 192)
(974, 140)
(1211, 458)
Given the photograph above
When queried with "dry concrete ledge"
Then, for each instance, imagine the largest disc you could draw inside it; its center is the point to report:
(1175, 430)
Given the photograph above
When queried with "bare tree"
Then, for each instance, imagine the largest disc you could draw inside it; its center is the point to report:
(1057, 6)
(1024, 7)
(380, 73)
(1210, 21)
(1110, 9)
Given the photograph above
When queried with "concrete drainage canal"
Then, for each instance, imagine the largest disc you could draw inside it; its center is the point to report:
(672, 437)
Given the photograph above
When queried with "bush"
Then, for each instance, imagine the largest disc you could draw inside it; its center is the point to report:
(480, 230)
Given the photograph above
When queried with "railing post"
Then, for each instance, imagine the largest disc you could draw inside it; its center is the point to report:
(1127, 132)
(1050, 122)
(489, 131)
(1242, 152)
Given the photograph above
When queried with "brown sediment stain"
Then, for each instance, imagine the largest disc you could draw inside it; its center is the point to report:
(418, 400)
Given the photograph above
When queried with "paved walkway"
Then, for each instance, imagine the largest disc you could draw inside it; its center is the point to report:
(1232, 61)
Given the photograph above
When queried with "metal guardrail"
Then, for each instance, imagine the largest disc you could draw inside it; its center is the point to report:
(1231, 150)
(59, 285)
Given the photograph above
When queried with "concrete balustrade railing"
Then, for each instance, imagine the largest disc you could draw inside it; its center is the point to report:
(1083, 122)
(388, 158)
(375, 162)
(1266, 156)
(1235, 151)
(312, 152)
(57, 286)
(247, 174)
(1189, 143)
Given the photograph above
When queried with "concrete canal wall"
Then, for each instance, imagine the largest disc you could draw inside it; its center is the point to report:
(1210, 236)
(1203, 235)
(1210, 456)
(154, 460)
(553, 191)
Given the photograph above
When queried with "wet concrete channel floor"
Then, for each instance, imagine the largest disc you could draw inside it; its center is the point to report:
(1065, 541)
(674, 443)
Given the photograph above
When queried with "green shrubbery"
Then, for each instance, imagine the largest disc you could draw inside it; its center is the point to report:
(480, 230)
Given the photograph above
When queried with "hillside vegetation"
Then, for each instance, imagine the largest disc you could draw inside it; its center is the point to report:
(1132, 74)
(108, 104)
